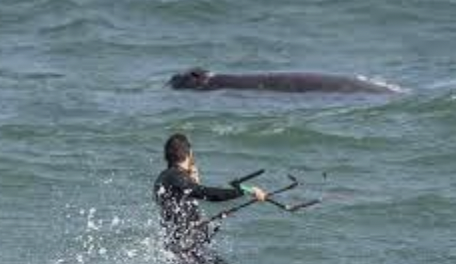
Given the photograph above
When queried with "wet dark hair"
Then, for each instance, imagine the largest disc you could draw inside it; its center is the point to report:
(177, 149)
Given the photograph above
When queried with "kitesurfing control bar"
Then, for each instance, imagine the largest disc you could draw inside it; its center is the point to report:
(237, 182)
(246, 189)
(269, 196)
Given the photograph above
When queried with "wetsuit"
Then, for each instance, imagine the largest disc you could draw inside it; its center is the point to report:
(177, 194)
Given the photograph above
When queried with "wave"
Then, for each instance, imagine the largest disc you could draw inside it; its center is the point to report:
(422, 211)
(30, 75)
(78, 27)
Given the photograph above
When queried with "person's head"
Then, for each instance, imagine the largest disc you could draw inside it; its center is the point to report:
(177, 150)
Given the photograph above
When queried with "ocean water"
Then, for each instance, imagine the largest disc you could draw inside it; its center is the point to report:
(84, 114)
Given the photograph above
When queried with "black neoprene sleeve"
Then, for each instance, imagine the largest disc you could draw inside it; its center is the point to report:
(199, 191)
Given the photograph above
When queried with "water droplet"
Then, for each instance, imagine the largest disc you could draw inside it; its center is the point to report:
(102, 251)
(161, 191)
(131, 253)
(115, 221)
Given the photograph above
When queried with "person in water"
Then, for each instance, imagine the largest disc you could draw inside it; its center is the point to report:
(177, 191)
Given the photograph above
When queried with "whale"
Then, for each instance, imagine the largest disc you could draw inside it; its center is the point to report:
(200, 79)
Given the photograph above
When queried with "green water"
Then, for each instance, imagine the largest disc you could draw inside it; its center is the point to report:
(84, 114)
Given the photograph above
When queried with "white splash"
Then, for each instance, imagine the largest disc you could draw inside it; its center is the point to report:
(102, 251)
(91, 223)
(112, 242)
(115, 221)
(222, 130)
(382, 82)
(161, 190)
(131, 253)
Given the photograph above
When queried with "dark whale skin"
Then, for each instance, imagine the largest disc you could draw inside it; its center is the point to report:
(298, 82)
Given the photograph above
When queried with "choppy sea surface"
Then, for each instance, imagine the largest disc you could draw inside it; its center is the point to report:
(84, 114)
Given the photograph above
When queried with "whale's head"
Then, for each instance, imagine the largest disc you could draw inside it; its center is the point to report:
(195, 78)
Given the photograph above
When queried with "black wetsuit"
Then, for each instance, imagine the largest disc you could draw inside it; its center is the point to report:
(177, 194)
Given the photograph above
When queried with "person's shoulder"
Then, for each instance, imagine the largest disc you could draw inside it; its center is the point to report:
(163, 178)
(169, 174)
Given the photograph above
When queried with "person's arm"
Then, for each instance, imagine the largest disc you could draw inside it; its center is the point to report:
(199, 191)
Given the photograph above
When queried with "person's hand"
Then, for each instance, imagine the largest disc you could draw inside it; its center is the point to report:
(192, 169)
(194, 173)
(259, 194)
